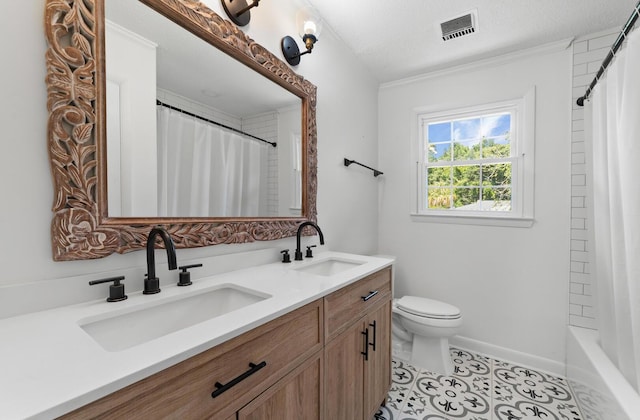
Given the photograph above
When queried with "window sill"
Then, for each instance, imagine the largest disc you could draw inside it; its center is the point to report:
(519, 222)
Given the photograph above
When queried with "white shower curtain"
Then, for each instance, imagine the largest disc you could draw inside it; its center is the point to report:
(205, 170)
(615, 244)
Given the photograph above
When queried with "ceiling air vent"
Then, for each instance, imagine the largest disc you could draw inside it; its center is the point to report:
(459, 26)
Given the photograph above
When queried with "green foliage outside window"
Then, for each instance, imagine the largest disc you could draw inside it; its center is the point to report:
(478, 183)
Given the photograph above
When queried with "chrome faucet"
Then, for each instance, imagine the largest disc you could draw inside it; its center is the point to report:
(151, 282)
(298, 255)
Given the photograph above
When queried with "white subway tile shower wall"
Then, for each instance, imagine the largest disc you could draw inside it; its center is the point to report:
(588, 53)
(265, 126)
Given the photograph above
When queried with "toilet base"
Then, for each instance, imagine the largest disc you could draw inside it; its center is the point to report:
(432, 354)
(401, 350)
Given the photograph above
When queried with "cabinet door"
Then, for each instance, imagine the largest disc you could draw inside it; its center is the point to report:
(377, 369)
(344, 375)
(184, 391)
(296, 396)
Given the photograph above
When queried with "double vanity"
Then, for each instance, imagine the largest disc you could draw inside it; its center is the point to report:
(309, 339)
(305, 340)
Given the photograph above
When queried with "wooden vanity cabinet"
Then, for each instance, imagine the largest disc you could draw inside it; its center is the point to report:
(377, 369)
(330, 359)
(357, 373)
(297, 396)
(184, 391)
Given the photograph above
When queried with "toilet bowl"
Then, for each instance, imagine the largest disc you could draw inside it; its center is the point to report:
(421, 331)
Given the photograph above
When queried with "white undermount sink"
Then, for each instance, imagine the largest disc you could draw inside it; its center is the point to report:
(330, 266)
(125, 330)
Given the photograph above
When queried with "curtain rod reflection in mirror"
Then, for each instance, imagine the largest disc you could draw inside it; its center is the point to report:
(235, 130)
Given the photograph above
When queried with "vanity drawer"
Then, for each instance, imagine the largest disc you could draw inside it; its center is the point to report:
(348, 304)
(185, 390)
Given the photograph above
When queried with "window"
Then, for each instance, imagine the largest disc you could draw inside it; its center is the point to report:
(476, 163)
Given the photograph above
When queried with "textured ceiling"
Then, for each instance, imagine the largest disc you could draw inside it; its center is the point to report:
(401, 38)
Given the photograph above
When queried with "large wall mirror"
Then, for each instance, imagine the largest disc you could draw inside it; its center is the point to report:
(163, 113)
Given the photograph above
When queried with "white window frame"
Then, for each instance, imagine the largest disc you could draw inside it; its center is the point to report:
(522, 160)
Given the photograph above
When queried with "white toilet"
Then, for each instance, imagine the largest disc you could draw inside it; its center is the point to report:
(421, 331)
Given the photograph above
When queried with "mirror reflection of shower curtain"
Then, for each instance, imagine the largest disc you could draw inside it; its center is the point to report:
(208, 171)
(615, 219)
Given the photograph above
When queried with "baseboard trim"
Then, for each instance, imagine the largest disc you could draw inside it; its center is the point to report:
(509, 355)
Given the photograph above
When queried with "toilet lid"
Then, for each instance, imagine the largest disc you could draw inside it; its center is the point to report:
(427, 307)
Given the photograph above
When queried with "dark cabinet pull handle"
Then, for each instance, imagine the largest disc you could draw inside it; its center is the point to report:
(222, 388)
(373, 325)
(365, 353)
(369, 296)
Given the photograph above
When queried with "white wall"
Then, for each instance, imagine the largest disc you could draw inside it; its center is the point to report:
(510, 283)
(347, 124)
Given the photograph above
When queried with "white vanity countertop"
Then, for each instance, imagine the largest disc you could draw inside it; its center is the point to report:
(50, 366)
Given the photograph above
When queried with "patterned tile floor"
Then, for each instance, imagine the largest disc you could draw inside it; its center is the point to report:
(481, 388)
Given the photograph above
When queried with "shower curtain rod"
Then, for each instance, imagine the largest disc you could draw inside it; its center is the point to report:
(612, 52)
(235, 130)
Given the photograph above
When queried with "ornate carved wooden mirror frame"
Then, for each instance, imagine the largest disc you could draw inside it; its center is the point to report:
(81, 228)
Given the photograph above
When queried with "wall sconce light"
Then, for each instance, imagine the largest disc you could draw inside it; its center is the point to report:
(309, 26)
(238, 10)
